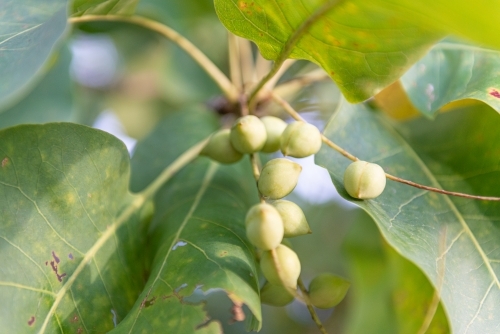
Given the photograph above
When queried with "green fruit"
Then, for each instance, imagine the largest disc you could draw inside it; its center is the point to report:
(288, 263)
(274, 128)
(275, 295)
(294, 220)
(248, 134)
(300, 140)
(327, 290)
(278, 178)
(264, 226)
(364, 180)
(219, 148)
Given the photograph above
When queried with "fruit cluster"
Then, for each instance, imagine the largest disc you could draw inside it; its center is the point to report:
(268, 223)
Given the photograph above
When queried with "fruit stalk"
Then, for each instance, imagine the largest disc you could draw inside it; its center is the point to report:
(312, 311)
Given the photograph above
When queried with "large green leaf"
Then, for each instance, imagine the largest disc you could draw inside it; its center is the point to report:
(70, 265)
(362, 45)
(29, 31)
(458, 151)
(50, 101)
(453, 71)
(198, 243)
(197, 234)
(103, 7)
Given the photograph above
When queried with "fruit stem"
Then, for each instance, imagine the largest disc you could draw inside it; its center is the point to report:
(289, 109)
(229, 90)
(312, 311)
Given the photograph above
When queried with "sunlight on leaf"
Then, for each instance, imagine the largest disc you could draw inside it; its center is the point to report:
(363, 45)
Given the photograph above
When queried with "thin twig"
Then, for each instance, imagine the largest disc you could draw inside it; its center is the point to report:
(229, 90)
(294, 85)
(440, 191)
(274, 80)
(312, 311)
(291, 43)
(247, 62)
(234, 61)
(289, 109)
(255, 167)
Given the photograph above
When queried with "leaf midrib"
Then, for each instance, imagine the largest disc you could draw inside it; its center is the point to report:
(204, 186)
(89, 255)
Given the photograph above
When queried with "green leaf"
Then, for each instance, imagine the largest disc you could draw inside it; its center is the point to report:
(71, 263)
(198, 241)
(103, 7)
(197, 235)
(29, 31)
(175, 134)
(458, 152)
(50, 101)
(451, 72)
(363, 45)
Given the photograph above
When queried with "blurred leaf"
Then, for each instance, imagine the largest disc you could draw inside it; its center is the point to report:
(103, 7)
(395, 103)
(71, 265)
(364, 46)
(412, 297)
(29, 31)
(175, 134)
(389, 294)
(458, 152)
(451, 72)
(369, 299)
(178, 14)
(49, 101)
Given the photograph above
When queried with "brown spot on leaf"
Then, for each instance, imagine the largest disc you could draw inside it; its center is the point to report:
(494, 92)
(55, 257)
(79, 330)
(223, 253)
(55, 270)
(31, 321)
(5, 161)
(148, 302)
(74, 319)
(70, 256)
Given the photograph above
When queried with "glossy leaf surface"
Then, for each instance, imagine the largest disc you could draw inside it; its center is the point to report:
(459, 152)
(363, 46)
